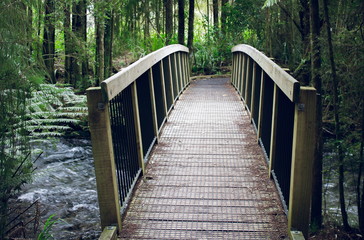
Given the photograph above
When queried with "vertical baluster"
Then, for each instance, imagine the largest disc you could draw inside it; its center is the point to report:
(163, 88)
(273, 131)
(153, 106)
(261, 105)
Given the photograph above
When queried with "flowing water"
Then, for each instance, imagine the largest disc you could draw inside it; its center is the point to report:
(65, 185)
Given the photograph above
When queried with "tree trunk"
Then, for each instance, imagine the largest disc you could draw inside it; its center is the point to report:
(67, 41)
(361, 160)
(146, 10)
(49, 39)
(100, 58)
(168, 20)
(76, 46)
(335, 90)
(108, 39)
(83, 31)
(191, 17)
(181, 22)
(157, 16)
(316, 209)
(215, 6)
(223, 16)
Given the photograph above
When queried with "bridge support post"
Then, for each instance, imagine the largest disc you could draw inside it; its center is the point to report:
(103, 154)
(302, 161)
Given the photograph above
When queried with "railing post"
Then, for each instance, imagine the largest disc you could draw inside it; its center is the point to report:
(171, 79)
(242, 81)
(252, 94)
(261, 105)
(233, 70)
(273, 130)
(163, 89)
(239, 73)
(138, 132)
(246, 83)
(152, 100)
(103, 153)
(302, 161)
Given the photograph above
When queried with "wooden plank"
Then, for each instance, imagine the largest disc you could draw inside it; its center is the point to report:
(116, 83)
(302, 161)
(285, 82)
(296, 235)
(246, 82)
(152, 100)
(261, 106)
(243, 72)
(171, 80)
(109, 233)
(273, 135)
(193, 183)
(138, 131)
(252, 110)
(179, 72)
(163, 89)
(103, 154)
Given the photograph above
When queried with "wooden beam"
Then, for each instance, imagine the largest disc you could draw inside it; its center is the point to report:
(153, 105)
(273, 135)
(109, 233)
(163, 89)
(246, 83)
(171, 79)
(302, 161)
(289, 86)
(254, 80)
(261, 106)
(103, 154)
(138, 131)
(118, 82)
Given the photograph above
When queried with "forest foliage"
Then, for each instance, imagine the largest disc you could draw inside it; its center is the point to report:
(82, 42)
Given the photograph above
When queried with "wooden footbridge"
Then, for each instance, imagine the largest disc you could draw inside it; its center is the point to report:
(219, 158)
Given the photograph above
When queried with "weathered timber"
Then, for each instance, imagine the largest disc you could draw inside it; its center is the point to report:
(302, 161)
(102, 149)
(285, 82)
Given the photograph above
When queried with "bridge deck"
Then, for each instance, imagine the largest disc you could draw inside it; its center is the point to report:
(207, 178)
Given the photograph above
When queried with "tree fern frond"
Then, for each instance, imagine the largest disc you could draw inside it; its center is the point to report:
(270, 3)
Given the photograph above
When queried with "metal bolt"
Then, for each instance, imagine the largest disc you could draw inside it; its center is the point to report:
(101, 106)
(301, 107)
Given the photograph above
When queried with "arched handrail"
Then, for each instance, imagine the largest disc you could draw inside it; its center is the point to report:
(283, 114)
(126, 115)
(118, 82)
(284, 81)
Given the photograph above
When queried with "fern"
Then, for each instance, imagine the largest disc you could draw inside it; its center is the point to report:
(52, 110)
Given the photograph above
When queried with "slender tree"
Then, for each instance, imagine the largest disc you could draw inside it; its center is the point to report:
(100, 53)
(191, 17)
(168, 20)
(215, 9)
(108, 42)
(181, 22)
(224, 13)
(67, 40)
(316, 211)
(49, 39)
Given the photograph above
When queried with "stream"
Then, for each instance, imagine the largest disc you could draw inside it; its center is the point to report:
(65, 185)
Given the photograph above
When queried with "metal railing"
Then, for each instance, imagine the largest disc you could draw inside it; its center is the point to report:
(126, 115)
(283, 114)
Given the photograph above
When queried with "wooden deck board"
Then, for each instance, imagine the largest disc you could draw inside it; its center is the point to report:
(207, 177)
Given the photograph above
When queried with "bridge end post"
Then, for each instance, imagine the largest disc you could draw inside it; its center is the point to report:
(103, 153)
(302, 161)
